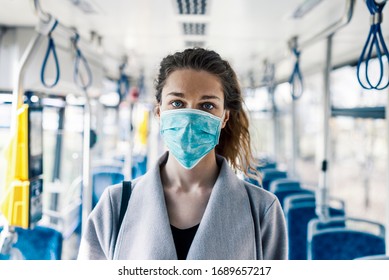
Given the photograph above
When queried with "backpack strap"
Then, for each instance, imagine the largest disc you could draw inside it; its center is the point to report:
(126, 193)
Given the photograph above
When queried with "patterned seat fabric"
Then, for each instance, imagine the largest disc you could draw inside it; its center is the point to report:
(285, 193)
(297, 222)
(345, 245)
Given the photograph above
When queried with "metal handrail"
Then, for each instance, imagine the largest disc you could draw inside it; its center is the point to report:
(46, 18)
(331, 29)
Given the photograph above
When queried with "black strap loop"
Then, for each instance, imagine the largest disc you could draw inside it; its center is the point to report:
(126, 193)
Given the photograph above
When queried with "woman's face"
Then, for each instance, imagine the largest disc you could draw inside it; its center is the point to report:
(191, 89)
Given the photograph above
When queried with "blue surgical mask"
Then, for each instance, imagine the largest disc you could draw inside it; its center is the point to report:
(190, 134)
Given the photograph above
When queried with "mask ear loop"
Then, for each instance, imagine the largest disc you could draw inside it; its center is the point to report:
(223, 122)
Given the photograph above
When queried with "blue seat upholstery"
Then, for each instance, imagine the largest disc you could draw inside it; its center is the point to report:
(102, 177)
(298, 198)
(297, 217)
(283, 188)
(284, 184)
(263, 163)
(270, 175)
(40, 243)
(344, 242)
(282, 195)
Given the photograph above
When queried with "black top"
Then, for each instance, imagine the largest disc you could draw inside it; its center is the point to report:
(183, 239)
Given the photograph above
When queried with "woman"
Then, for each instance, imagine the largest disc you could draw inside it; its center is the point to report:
(191, 205)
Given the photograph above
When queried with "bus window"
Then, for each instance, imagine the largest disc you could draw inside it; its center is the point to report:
(359, 147)
(5, 122)
(258, 104)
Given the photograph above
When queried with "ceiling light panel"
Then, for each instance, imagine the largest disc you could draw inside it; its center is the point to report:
(192, 28)
(192, 7)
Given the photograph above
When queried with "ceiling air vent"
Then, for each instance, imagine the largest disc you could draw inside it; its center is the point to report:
(191, 28)
(194, 44)
(192, 7)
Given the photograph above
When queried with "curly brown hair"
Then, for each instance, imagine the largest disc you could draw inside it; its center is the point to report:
(234, 142)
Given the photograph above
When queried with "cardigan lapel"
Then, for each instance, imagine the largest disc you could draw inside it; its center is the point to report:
(226, 230)
(145, 232)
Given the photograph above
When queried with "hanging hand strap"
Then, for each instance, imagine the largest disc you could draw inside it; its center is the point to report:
(123, 83)
(375, 40)
(296, 79)
(50, 49)
(81, 58)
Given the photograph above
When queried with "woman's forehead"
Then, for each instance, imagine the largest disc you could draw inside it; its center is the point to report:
(186, 82)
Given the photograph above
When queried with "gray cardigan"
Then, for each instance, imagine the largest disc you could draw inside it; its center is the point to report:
(241, 221)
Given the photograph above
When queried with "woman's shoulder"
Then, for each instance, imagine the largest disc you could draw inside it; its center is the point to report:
(260, 197)
(114, 192)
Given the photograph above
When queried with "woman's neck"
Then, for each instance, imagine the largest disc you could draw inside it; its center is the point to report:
(204, 174)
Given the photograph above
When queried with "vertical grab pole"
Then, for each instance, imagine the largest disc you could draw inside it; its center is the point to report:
(87, 193)
(128, 152)
(294, 137)
(387, 175)
(18, 91)
(322, 192)
(276, 145)
(130, 145)
(79, 80)
(8, 236)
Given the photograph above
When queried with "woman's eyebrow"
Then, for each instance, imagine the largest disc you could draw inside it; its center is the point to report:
(204, 97)
(178, 94)
(209, 97)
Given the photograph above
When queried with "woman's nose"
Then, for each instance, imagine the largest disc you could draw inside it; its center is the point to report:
(191, 105)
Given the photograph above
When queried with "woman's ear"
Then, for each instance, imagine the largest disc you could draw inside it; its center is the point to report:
(226, 118)
(157, 111)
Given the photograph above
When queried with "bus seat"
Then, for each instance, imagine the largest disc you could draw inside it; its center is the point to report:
(284, 184)
(357, 238)
(266, 164)
(297, 217)
(283, 188)
(263, 163)
(298, 198)
(40, 243)
(102, 177)
(282, 195)
(271, 174)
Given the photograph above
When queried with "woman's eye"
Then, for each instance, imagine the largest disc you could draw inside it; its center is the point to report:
(177, 104)
(208, 106)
